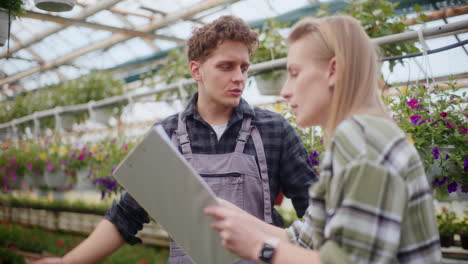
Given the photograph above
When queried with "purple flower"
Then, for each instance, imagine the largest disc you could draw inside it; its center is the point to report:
(465, 164)
(81, 157)
(443, 114)
(50, 167)
(416, 120)
(114, 141)
(313, 161)
(464, 189)
(443, 181)
(112, 170)
(447, 156)
(413, 103)
(448, 124)
(30, 166)
(452, 187)
(463, 130)
(435, 152)
(111, 185)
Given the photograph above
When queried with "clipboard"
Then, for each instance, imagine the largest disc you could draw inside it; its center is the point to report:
(173, 193)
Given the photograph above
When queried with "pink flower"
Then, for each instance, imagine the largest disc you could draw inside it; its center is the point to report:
(30, 166)
(81, 157)
(443, 114)
(413, 103)
(50, 167)
(448, 124)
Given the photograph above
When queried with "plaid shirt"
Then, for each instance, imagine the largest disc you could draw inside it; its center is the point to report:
(289, 169)
(373, 203)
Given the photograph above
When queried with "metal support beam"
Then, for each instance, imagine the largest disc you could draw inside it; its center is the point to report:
(82, 23)
(117, 38)
(100, 5)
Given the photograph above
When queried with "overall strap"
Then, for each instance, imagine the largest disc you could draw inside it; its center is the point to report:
(183, 137)
(244, 133)
(258, 143)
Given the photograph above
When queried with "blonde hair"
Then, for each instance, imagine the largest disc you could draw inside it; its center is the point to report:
(357, 66)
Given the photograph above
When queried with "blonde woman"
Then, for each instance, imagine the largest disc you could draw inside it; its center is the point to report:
(372, 203)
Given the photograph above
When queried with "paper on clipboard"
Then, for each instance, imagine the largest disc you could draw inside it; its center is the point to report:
(171, 191)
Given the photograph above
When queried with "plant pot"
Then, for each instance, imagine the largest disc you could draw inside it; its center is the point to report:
(271, 83)
(102, 115)
(464, 241)
(446, 240)
(83, 182)
(55, 5)
(34, 180)
(55, 179)
(4, 26)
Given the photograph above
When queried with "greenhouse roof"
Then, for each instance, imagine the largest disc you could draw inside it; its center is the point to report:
(46, 48)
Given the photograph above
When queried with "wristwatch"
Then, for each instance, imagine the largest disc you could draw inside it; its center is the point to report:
(268, 250)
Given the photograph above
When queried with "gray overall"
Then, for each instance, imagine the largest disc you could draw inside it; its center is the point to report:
(232, 176)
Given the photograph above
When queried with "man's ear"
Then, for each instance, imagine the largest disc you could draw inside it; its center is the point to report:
(332, 72)
(195, 70)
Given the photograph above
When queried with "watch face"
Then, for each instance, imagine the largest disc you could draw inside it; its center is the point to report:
(267, 252)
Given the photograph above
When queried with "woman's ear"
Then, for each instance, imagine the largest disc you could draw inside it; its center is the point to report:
(195, 70)
(332, 72)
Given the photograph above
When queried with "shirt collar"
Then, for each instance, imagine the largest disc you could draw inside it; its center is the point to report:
(238, 112)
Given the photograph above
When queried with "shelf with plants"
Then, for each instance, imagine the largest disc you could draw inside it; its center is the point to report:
(90, 88)
(57, 164)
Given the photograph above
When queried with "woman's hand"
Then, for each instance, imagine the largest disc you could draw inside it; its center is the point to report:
(240, 232)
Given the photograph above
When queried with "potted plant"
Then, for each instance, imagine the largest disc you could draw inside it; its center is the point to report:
(104, 162)
(272, 46)
(9, 9)
(446, 222)
(435, 121)
(462, 230)
(55, 5)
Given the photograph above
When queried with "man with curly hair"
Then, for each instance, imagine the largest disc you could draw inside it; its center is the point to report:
(245, 154)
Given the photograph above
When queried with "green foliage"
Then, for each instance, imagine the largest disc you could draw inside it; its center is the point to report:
(462, 225)
(272, 44)
(379, 19)
(312, 137)
(446, 222)
(57, 206)
(176, 67)
(14, 5)
(7, 256)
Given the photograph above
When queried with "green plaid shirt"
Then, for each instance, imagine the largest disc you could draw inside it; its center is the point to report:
(373, 203)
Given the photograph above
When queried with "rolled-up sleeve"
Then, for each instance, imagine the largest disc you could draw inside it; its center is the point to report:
(296, 172)
(128, 216)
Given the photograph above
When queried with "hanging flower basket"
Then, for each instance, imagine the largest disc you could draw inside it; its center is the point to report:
(55, 5)
(271, 83)
(4, 26)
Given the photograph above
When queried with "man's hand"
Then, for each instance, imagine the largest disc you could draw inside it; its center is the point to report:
(48, 261)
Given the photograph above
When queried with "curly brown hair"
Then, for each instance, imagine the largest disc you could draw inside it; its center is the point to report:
(205, 39)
